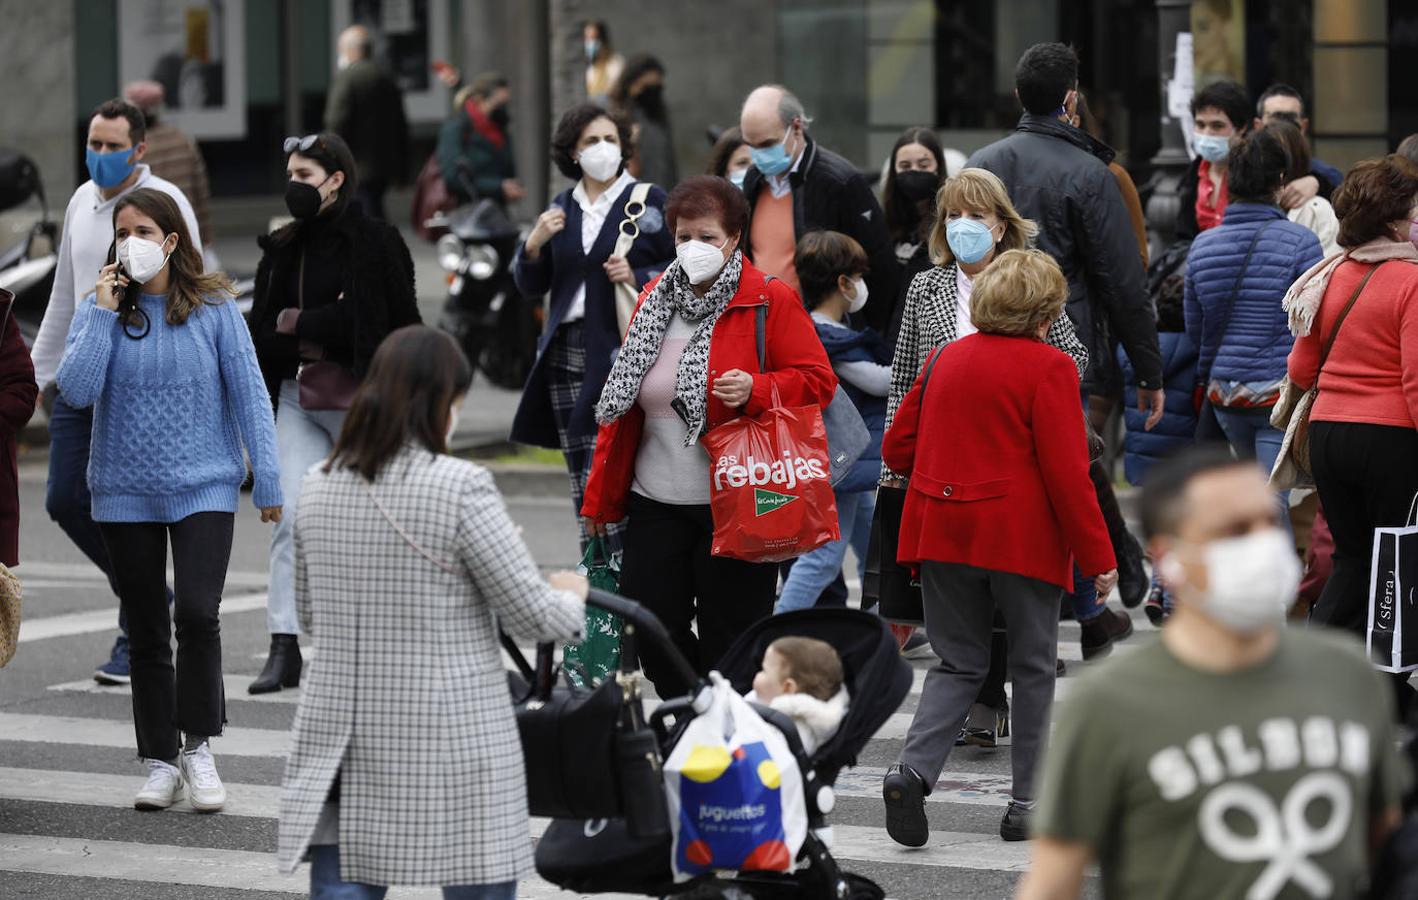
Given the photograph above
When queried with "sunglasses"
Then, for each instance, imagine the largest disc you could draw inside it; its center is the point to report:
(301, 144)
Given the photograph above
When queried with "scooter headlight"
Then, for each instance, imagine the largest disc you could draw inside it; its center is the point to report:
(482, 262)
(450, 252)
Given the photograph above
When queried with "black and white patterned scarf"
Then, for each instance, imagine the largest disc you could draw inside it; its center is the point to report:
(673, 294)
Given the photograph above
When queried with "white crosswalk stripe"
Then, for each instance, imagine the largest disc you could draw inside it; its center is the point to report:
(88, 722)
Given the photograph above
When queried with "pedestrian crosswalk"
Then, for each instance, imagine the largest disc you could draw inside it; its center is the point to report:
(67, 777)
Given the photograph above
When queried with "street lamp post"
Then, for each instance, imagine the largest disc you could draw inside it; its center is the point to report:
(1171, 161)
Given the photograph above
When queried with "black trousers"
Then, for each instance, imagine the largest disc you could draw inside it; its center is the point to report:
(666, 565)
(188, 698)
(1367, 476)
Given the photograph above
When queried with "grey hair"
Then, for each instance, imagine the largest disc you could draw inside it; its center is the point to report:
(790, 108)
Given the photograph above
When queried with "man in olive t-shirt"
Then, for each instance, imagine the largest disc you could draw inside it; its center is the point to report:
(1233, 758)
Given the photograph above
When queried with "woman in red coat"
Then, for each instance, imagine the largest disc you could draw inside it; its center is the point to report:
(17, 399)
(689, 363)
(1000, 506)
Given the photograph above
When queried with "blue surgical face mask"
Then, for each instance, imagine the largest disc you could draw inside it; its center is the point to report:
(109, 170)
(772, 160)
(1213, 148)
(970, 239)
(737, 178)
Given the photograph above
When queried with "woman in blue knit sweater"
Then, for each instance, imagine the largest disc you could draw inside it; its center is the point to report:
(167, 364)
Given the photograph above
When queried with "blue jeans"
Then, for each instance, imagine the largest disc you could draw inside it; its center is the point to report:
(1251, 435)
(67, 497)
(815, 570)
(303, 438)
(325, 883)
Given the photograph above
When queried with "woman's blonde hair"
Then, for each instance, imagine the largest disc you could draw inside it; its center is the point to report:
(1020, 290)
(978, 190)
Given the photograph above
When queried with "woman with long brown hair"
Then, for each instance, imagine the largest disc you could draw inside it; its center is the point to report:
(406, 766)
(162, 355)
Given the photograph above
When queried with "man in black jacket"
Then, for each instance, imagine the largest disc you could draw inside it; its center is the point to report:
(795, 186)
(1054, 178)
(1057, 177)
(366, 108)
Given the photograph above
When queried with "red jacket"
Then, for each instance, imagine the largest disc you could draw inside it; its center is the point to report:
(998, 461)
(795, 363)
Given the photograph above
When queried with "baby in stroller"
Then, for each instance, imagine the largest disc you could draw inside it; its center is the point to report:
(802, 678)
(781, 659)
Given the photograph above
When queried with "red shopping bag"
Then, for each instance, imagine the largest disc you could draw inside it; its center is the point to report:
(770, 490)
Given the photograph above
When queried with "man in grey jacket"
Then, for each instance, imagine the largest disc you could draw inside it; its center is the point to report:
(1055, 176)
(366, 108)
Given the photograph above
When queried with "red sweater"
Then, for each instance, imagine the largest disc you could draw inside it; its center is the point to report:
(998, 460)
(1372, 372)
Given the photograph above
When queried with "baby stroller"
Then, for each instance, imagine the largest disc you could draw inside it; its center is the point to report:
(602, 855)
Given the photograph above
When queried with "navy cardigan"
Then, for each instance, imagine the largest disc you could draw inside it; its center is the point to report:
(560, 269)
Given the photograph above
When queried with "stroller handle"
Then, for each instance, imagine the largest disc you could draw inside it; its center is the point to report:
(649, 623)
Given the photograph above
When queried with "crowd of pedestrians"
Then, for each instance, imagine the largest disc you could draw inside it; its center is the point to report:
(982, 315)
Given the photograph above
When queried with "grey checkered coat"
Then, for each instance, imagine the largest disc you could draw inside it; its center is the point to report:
(407, 692)
(931, 319)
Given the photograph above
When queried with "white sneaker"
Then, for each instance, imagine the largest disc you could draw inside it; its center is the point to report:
(163, 789)
(204, 787)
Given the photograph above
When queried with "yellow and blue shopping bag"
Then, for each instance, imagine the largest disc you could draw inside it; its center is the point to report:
(735, 792)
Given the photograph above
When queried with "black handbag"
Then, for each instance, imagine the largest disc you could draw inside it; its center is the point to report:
(588, 751)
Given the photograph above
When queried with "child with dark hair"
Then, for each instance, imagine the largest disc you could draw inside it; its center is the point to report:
(832, 270)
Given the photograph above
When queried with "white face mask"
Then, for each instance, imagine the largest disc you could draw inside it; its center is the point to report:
(601, 161)
(1251, 580)
(859, 298)
(141, 258)
(701, 261)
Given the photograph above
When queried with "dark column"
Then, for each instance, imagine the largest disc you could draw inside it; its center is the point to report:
(1173, 18)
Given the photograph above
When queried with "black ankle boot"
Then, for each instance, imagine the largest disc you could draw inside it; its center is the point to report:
(282, 666)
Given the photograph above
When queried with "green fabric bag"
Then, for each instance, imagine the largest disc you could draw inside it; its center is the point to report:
(592, 661)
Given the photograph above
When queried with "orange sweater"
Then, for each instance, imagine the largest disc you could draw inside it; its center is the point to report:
(773, 238)
(1372, 372)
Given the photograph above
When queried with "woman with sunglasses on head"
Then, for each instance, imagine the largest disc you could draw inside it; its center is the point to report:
(330, 286)
(161, 354)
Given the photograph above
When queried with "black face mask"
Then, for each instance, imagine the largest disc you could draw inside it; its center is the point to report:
(500, 116)
(652, 101)
(303, 200)
(916, 186)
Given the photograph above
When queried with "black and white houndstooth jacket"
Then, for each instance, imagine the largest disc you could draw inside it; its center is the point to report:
(929, 320)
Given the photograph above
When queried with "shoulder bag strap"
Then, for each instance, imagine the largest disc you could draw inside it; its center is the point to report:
(1240, 276)
(760, 329)
(408, 539)
(634, 209)
(1344, 314)
(300, 281)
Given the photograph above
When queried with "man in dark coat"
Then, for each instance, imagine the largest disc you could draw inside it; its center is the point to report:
(1055, 177)
(366, 108)
(796, 185)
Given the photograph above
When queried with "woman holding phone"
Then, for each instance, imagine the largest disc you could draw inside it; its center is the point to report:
(162, 355)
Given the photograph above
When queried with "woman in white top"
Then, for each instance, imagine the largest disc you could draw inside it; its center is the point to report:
(1316, 214)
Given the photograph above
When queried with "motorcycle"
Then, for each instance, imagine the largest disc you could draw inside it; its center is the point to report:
(27, 268)
(496, 327)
